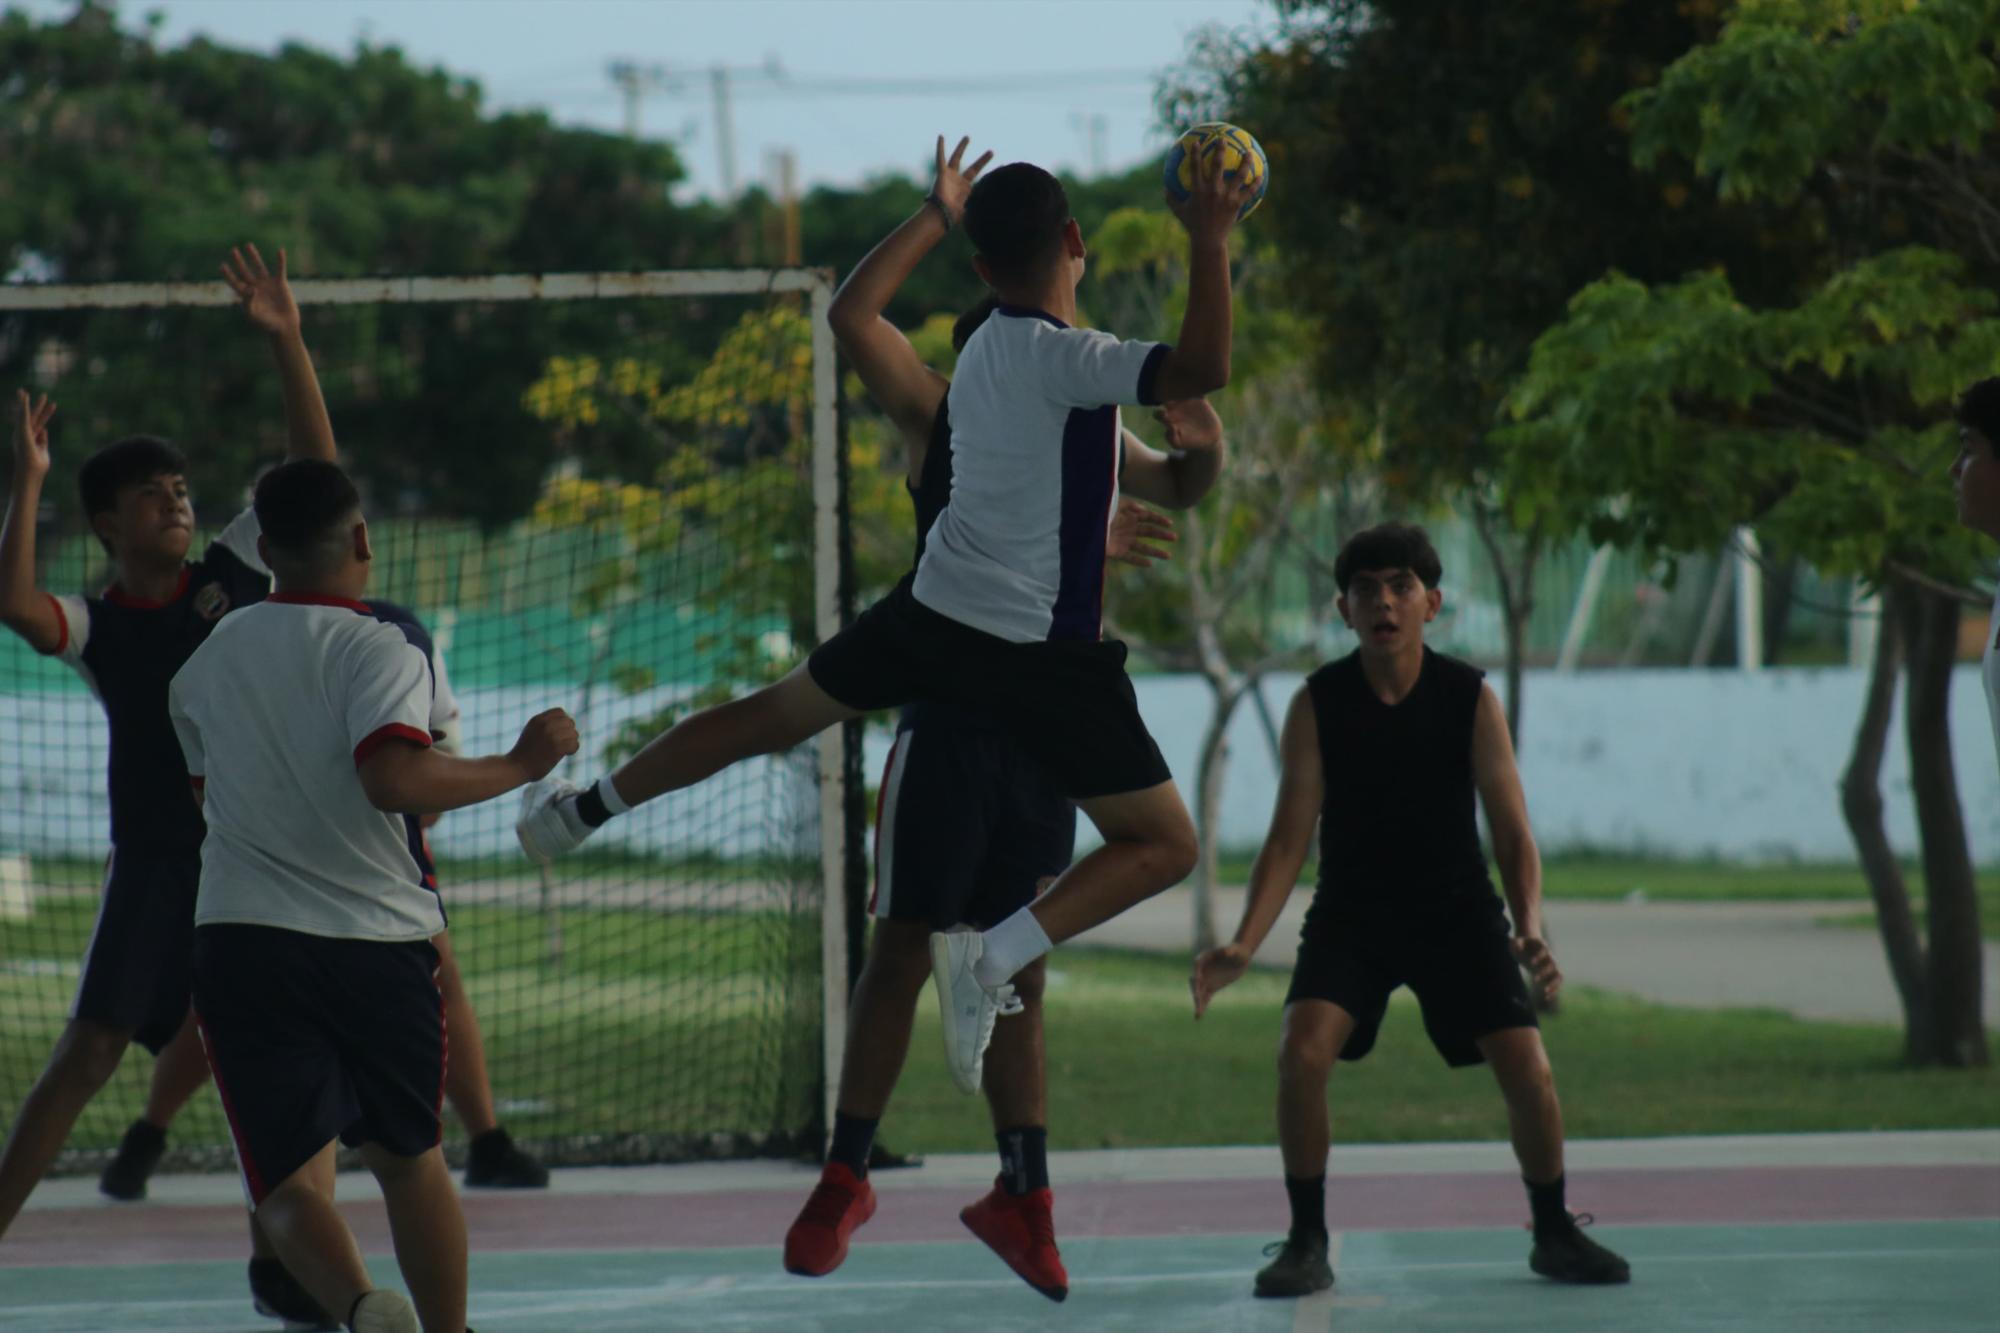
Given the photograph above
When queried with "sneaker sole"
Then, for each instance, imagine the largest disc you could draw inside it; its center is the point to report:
(841, 1257)
(941, 975)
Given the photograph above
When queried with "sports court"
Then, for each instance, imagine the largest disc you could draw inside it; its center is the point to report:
(1821, 1232)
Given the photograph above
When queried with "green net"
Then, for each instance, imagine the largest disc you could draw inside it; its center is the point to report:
(603, 505)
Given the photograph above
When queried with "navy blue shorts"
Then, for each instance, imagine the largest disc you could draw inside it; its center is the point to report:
(1068, 702)
(967, 825)
(312, 1038)
(135, 970)
(1461, 967)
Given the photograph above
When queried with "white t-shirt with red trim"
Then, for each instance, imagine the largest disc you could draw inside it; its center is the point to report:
(275, 713)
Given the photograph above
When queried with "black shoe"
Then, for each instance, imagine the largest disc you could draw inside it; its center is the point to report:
(1567, 1255)
(1300, 1269)
(138, 1153)
(278, 1295)
(495, 1163)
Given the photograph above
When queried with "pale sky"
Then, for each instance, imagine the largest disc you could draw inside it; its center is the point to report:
(872, 81)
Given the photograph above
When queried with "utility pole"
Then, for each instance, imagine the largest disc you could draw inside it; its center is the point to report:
(725, 128)
(1095, 126)
(634, 81)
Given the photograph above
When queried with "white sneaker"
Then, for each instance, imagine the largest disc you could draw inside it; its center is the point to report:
(549, 824)
(966, 1007)
(384, 1311)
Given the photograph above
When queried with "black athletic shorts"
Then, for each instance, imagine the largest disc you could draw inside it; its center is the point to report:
(966, 824)
(135, 969)
(1067, 703)
(1461, 966)
(313, 1038)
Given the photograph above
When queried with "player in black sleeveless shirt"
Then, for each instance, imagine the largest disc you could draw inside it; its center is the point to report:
(968, 826)
(1386, 750)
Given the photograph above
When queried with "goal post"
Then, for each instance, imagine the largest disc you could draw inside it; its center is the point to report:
(633, 600)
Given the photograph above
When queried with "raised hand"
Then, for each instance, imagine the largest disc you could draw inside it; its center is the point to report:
(1135, 534)
(31, 434)
(954, 184)
(1191, 424)
(546, 741)
(1533, 951)
(1211, 208)
(266, 296)
(1215, 969)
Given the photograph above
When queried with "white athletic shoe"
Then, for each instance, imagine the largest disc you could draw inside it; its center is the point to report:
(967, 1008)
(384, 1311)
(549, 824)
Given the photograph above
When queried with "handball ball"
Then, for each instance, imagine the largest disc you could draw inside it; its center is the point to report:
(1240, 153)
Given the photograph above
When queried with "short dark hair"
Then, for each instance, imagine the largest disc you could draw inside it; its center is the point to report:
(1979, 409)
(134, 460)
(1389, 546)
(1015, 217)
(304, 506)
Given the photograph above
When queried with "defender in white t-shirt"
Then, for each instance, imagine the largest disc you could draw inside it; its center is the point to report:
(1003, 613)
(306, 726)
(1975, 478)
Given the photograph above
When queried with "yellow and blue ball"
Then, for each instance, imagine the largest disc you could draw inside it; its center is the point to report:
(1242, 156)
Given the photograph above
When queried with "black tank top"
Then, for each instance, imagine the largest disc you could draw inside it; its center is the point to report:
(1399, 829)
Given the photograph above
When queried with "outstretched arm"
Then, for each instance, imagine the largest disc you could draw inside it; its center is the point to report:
(408, 779)
(1274, 874)
(896, 378)
(24, 608)
(268, 304)
(1498, 778)
(1180, 479)
(1199, 361)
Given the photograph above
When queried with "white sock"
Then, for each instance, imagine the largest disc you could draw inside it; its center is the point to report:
(1009, 947)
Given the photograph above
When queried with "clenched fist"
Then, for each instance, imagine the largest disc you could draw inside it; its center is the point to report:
(546, 741)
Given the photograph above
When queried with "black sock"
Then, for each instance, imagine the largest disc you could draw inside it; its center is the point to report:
(147, 1134)
(852, 1138)
(1308, 1196)
(1546, 1202)
(493, 1142)
(1024, 1159)
(590, 806)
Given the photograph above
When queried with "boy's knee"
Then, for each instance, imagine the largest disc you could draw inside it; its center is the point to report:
(88, 1055)
(899, 956)
(1304, 1059)
(1176, 853)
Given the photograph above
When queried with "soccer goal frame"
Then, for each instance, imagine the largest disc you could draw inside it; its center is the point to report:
(839, 833)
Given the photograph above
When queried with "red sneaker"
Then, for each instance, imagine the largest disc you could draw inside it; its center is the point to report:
(817, 1242)
(1021, 1229)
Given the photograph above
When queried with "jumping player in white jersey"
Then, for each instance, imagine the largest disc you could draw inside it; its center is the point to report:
(1004, 612)
(305, 723)
(969, 825)
(1975, 479)
(1386, 751)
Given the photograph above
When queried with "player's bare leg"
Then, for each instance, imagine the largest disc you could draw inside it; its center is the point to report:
(179, 1071)
(85, 1056)
(1313, 1035)
(1016, 1220)
(310, 1236)
(1534, 1120)
(428, 1227)
(880, 1015)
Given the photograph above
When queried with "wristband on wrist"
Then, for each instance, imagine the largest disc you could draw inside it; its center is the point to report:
(943, 212)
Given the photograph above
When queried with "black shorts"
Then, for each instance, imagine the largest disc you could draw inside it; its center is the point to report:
(135, 969)
(1067, 703)
(966, 824)
(1461, 966)
(312, 1038)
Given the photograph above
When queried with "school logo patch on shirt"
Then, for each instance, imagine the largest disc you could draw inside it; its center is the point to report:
(211, 602)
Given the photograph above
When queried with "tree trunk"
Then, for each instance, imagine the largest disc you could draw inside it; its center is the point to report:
(1861, 804)
(1951, 900)
(1209, 777)
(1517, 605)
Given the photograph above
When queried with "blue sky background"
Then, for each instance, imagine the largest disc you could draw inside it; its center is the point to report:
(867, 83)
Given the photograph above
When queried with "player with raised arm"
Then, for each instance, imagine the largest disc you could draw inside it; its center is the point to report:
(969, 825)
(126, 643)
(1004, 612)
(1386, 750)
(305, 723)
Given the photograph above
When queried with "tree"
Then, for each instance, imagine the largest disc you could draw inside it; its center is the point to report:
(1444, 177)
(1668, 415)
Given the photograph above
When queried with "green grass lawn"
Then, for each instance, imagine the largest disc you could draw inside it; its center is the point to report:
(1128, 1067)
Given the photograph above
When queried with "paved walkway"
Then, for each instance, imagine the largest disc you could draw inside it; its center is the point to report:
(1705, 955)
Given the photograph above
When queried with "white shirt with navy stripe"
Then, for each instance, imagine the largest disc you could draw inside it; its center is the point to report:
(275, 714)
(1035, 446)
